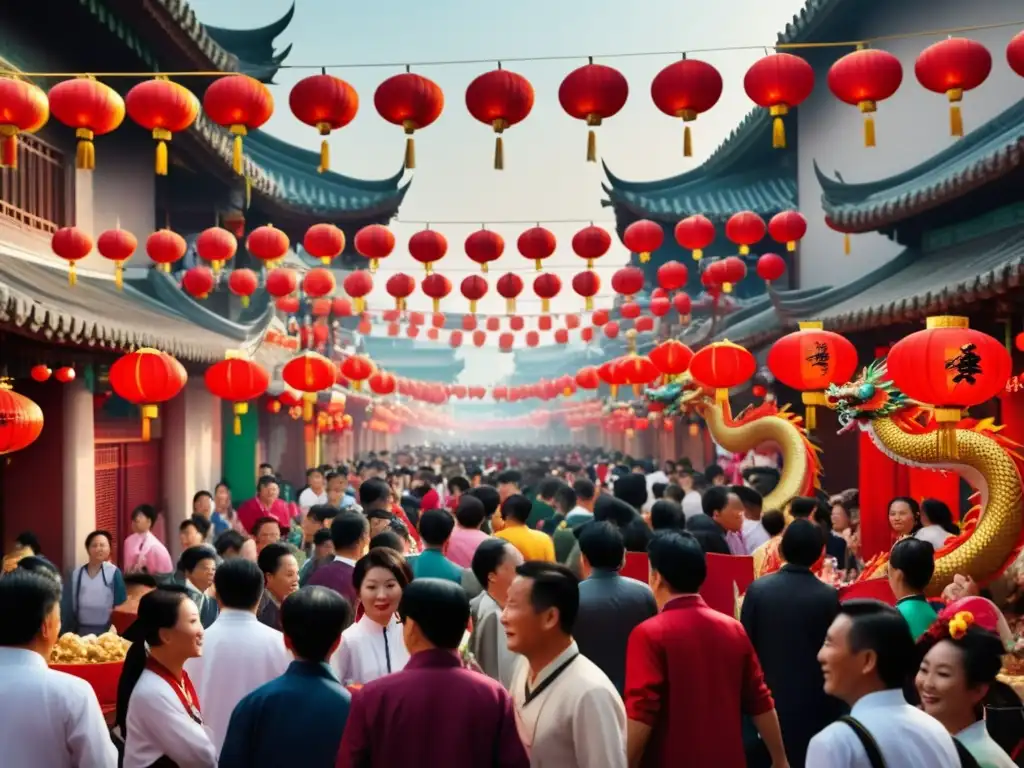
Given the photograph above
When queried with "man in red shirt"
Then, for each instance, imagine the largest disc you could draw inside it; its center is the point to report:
(265, 504)
(691, 672)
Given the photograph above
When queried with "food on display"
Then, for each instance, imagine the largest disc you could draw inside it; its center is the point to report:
(106, 648)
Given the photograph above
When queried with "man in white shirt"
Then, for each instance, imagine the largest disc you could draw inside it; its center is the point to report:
(754, 534)
(315, 491)
(47, 718)
(239, 653)
(867, 655)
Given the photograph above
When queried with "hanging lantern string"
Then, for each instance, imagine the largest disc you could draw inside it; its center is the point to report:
(560, 57)
(498, 222)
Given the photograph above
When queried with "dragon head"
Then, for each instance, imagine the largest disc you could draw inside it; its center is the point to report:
(679, 396)
(868, 397)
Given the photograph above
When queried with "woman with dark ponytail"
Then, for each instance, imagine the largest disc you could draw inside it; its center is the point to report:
(157, 708)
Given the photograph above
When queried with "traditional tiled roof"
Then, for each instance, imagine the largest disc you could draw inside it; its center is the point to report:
(254, 48)
(983, 156)
(413, 358)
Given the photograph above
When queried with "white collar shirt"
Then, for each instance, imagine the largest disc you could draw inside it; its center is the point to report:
(754, 534)
(345, 560)
(159, 726)
(49, 718)
(369, 651)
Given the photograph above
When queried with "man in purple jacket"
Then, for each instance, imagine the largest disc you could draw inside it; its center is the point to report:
(478, 727)
(350, 533)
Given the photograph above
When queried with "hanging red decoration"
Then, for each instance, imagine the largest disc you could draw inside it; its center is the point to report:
(683, 305)
(745, 229)
(591, 243)
(611, 329)
(500, 99)
(733, 271)
(721, 366)
(547, 287)
(493, 324)
(788, 227)
(479, 338)
(1015, 53)
(770, 267)
(473, 288)
(412, 331)
(509, 286)
(951, 366)
(628, 281)
(318, 282)
(433, 334)
(600, 317)
(90, 107)
(684, 90)
(587, 378)
(536, 244)
(40, 373)
(671, 357)
(544, 323)
(953, 66)
(587, 334)
(672, 276)
(26, 110)
(166, 248)
(643, 237)
(281, 282)
(327, 103)
(411, 101)
(630, 310)
(436, 287)
(268, 244)
(593, 92)
(393, 329)
(341, 307)
(505, 341)
(427, 247)
(660, 306)
(64, 375)
(572, 322)
(561, 336)
(484, 246)
(382, 383)
(216, 246)
(238, 381)
(72, 245)
(287, 304)
(241, 104)
(374, 242)
(198, 282)
(695, 233)
(146, 378)
(117, 245)
(163, 108)
(400, 287)
(588, 285)
(779, 82)
(309, 373)
(358, 285)
(532, 338)
(863, 78)
(644, 324)
(469, 322)
(320, 307)
(21, 420)
(243, 283)
(324, 242)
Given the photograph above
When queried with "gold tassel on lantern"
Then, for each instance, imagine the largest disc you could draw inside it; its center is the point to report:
(374, 263)
(240, 410)
(698, 254)
(778, 126)
(868, 108)
(437, 305)
(956, 118)
(308, 401)
(245, 301)
(846, 243)
(236, 153)
(359, 304)
(687, 142)
(119, 275)
(428, 268)
(500, 124)
(727, 287)
(593, 121)
(614, 389)
(410, 144)
(148, 412)
(945, 435)
(85, 154)
(472, 306)
(9, 146)
(510, 305)
(325, 150)
(693, 430)
(721, 395)
(644, 256)
(812, 401)
(162, 136)
(72, 275)
(545, 305)
(588, 303)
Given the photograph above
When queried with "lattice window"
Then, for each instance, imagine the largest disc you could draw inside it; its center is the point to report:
(38, 193)
(107, 507)
(142, 475)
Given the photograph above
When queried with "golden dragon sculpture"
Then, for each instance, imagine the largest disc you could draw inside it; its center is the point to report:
(992, 531)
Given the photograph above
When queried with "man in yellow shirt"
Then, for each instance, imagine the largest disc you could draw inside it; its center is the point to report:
(534, 545)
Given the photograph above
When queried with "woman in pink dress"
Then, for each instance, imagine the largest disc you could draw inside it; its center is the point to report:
(143, 552)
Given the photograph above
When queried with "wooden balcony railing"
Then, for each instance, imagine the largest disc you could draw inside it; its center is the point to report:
(38, 194)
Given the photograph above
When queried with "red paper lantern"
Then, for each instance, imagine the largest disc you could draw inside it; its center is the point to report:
(671, 357)
(324, 242)
(241, 104)
(572, 322)
(952, 66)
(588, 285)
(630, 310)
(243, 283)
(237, 380)
(165, 248)
(438, 320)
(733, 271)
(591, 243)
(561, 336)
(509, 286)
(281, 282)
(147, 377)
(537, 244)
(1015, 53)
(400, 287)
(216, 245)
(778, 82)
(198, 282)
(532, 338)
(484, 246)
(682, 304)
(40, 373)
(611, 329)
(500, 99)
(745, 229)
(436, 287)
(21, 420)
(268, 244)
(455, 339)
(951, 366)
(672, 275)
(695, 233)
(587, 378)
(473, 288)
(117, 245)
(310, 372)
(660, 306)
(341, 307)
(26, 110)
(72, 245)
(479, 337)
(163, 108)
(433, 334)
(327, 103)
(686, 89)
(516, 323)
(318, 282)
(287, 304)
(90, 107)
(547, 287)
(374, 242)
(427, 247)
(587, 334)
(600, 317)
(643, 237)
(863, 78)
(493, 324)
(644, 324)
(65, 375)
(412, 331)
(358, 285)
(505, 341)
(382, 383)
(593, 92)
(469, 322)
(628, 281)
(811, 359)
(320, 307)
(411, 101)
(770, 267)
(788, 227)
(721, 366)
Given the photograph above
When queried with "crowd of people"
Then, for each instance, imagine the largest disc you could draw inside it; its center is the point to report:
(466, 606)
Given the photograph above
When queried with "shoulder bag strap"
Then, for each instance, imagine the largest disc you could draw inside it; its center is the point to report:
(867, 741)
(966, 758)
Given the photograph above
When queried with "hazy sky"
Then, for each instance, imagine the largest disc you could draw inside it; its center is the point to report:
(545, 176)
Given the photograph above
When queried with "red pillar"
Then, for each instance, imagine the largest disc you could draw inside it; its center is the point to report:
(881, 479)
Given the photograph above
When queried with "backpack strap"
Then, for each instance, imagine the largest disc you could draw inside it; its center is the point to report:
(966, 758)
(867, 741)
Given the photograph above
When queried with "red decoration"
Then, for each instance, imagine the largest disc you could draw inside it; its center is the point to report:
(473, 288)
(561, 336)
(374, 242)
(318, 282)
(532, 338)
(587, 378)
(455, 339)
(952, 66)
(778, 82)
(437, 320)
(1015, 53)
(591, 243)
(587, 334)
(216, 245)
(811, 359)
(65, 375)
(281, 282)
(671, 357)
(572, 322)
(243, 283)
(469, 322)
(237, 380)
(436, 287)
(788, 227)
(90, 107)
(505, 341)
(745, 229)
(630, 310)
(600, 317)
(537, 244)
(593, 92)
(770, 267)
(628, 281)
(864, 78)
(686, 89)
(287, 304)
(400, 287)
(643, 237)
(309, 373)
(672, 275)
(484, 246)
(644, 324)
(611, 329)
(21, 420)
(341, 307)
(433, 334)
(588, 285)
(324, 242)
(163, 108)
(117, 245)
(382, 383)
(241, 104)
(493, 324)
(411, 101)
(40, 373)
(165, 248)
(358, 285)
(327, 103)
(951, 366)
(660, 306)
(721, 366)
(147, 377)
(267, 244)
(547, 287)
(427, 247)
(509, 286)
(733, 271)
(26, 110)
(1018, 342)
(695, 233)
(198, 282)
(500, 99)
(479, 337)
(72, 245)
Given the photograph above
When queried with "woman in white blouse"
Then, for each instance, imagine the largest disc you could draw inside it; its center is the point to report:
(374, 646)
(937, 525)
(158, 711)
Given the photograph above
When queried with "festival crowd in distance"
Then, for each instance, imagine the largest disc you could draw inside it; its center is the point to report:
(466, 606)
